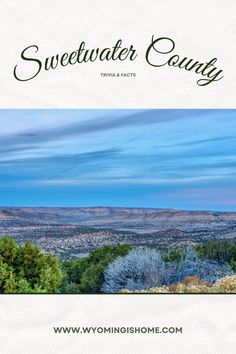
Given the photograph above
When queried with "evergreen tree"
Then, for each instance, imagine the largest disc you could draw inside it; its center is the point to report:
(25, 269)
(86, 275)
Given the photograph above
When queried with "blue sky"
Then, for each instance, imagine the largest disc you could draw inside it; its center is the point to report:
(183, 159)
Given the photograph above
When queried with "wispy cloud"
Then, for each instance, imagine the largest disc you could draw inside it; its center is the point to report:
(109, 121)
(198, 142)
(123, 154)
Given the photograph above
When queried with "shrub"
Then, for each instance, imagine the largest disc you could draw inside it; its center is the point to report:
(144, 268)
(86, 275)
(141, 268)
(205, 269)
(172, 255)
(220, 251)
(190, 281)
(224, 285)
(161, 290)
(25, 269)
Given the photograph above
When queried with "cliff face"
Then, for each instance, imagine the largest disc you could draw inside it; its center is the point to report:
(138, 219)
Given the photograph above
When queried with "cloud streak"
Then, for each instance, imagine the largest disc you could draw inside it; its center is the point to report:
(103, 156)
(104, 123)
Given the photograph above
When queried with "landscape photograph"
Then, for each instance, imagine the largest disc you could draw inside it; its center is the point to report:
(117, 201)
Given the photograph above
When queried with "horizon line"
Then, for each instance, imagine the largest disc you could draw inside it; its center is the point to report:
(116, 207)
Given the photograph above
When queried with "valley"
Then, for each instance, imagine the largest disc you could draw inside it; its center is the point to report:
(73, 232)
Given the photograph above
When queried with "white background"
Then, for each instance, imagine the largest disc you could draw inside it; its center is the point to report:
(208, 324)
(201, 30)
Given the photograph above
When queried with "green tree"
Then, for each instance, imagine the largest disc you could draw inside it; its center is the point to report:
(25, 269)
(86, 275)
(172, 255)
(10, 284)
(4, 273)
(23, 287)
(220, 251)
(8, 250)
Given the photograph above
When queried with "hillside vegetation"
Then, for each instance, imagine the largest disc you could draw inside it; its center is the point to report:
(25, 269)
(193, 285)
(205, 268)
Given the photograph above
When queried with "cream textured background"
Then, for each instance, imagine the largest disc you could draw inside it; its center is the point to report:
(207, 320)
(201, 29)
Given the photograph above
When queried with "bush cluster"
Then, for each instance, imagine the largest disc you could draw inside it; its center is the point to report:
(86, 275)
(144, 268)
(206, 268)
(220, 251)
(25, 269)
(224, 285)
